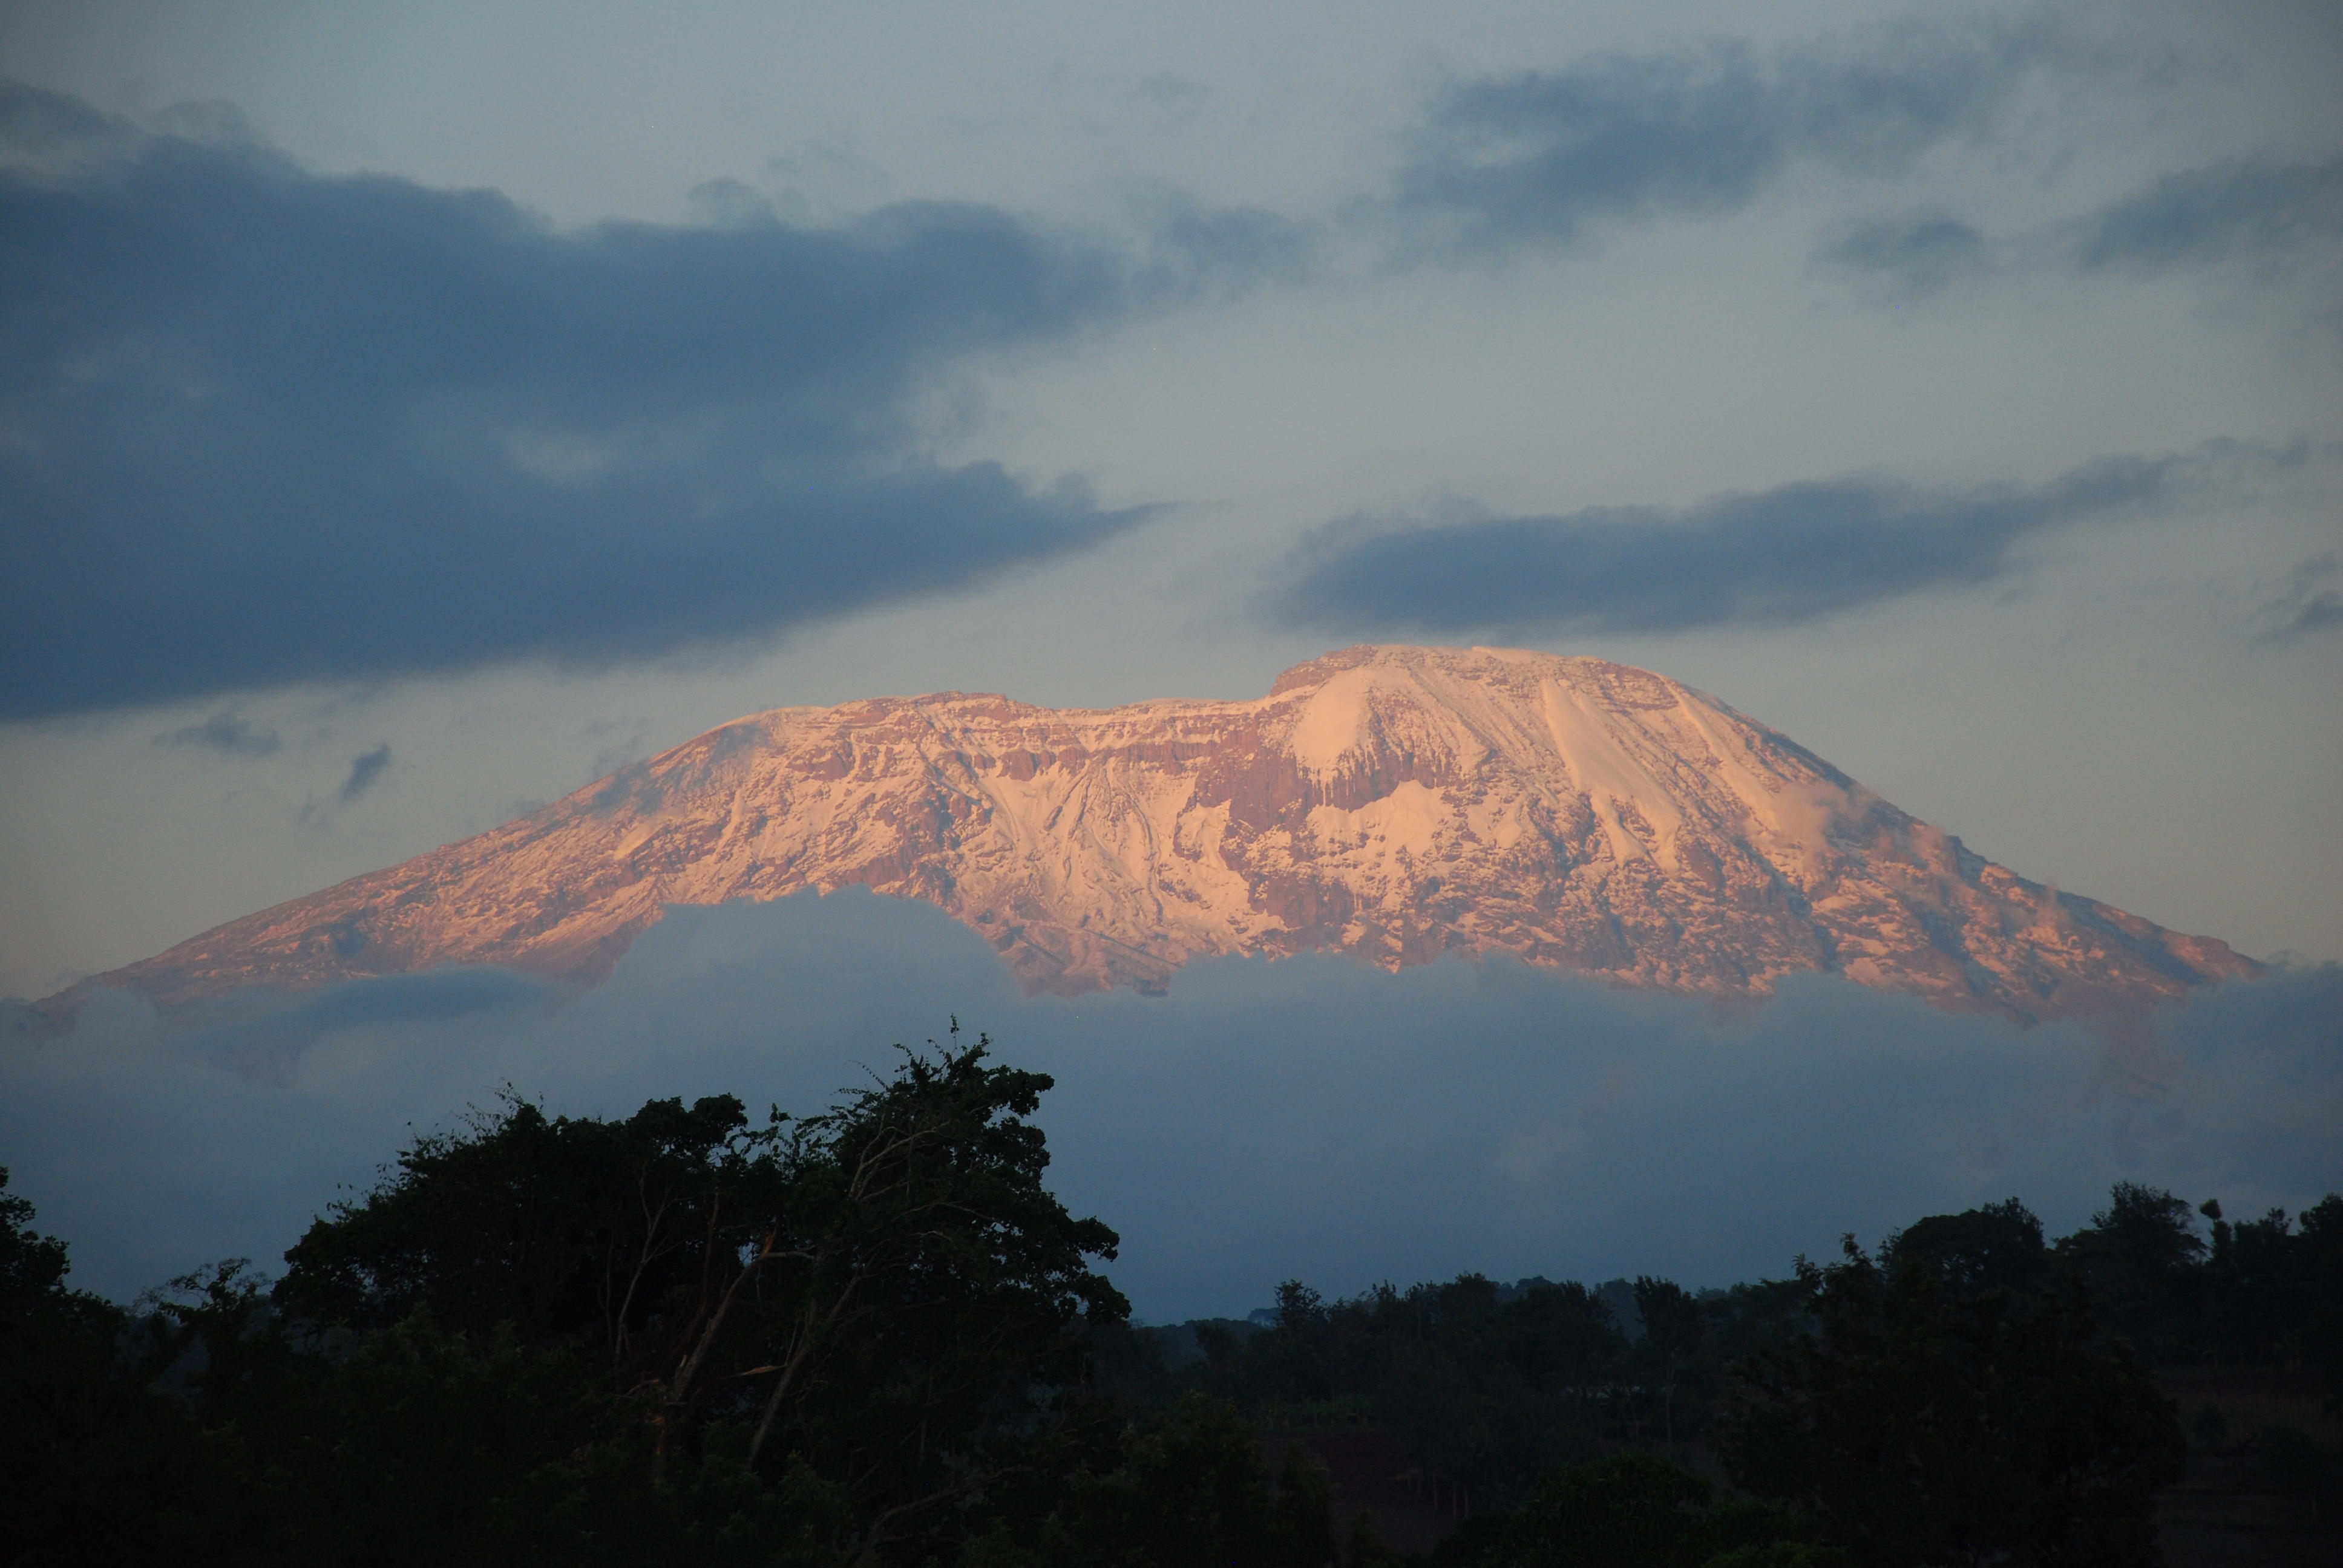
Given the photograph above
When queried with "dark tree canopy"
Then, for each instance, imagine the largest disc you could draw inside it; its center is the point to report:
(1927, 1420)
(882, 1295)
(873, 1336)
(1998, 1247)
(551, 1226)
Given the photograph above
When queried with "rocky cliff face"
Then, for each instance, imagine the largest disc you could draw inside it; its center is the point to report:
(1397, 802)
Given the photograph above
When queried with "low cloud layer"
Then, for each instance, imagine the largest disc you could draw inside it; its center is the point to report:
(1776, 557)
(264, 425)
(1312, 1117)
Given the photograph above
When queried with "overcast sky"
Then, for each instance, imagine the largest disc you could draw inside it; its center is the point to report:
(410, 414)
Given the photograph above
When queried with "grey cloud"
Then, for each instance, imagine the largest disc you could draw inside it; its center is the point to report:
(2259, 209)
(366, 770)
(230, 734)
(1206, 252)
(730, 203)
(267, 426)
(1908, 258)
(263, 425)
(1167, 88)
(1313, 1116)
(1782, 555)
(266, 1038)
(1548, 158)
(1544, 157)
(51, 134)
(2257, 205)
(2311, 602)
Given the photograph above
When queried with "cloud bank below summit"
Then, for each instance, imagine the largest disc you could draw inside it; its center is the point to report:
(1310, 1117)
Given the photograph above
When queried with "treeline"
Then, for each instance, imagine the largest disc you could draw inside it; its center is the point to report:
(873, 1336)
(1969, 1391)
(1489, 1385)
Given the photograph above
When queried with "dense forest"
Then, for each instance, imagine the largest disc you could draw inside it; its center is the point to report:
(873, 1336)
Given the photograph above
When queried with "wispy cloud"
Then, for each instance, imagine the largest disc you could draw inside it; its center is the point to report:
(230, 734)
(1549, 160)
(366, 770)
(1912, 259)
(2260, 206)
(1544, 159)
(2309, 603)
(2261, 210)
(1787, 555)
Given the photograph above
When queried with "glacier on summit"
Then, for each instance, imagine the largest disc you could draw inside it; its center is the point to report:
(1399, 803)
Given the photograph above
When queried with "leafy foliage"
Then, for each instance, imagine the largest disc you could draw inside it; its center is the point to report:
(1929, 1418)
(882, 1301)
(675, 1337)
(1641, 1511)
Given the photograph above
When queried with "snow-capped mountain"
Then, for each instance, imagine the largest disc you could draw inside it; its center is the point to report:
(1396, 803)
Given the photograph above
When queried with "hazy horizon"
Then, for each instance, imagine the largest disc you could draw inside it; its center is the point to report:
(1312, 1117)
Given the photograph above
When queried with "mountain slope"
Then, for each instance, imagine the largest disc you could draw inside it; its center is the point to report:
(1398, 802)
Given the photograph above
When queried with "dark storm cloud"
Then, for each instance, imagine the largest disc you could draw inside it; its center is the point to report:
(1787, 555)
(365, 769)
(2256, 207)
(1312, 1117)
(263, 425)
(230, 734)
(1544, 157)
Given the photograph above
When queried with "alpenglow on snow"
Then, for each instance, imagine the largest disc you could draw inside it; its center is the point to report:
(1399, 803)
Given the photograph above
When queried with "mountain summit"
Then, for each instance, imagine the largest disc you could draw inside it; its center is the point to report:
(1397, 802)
